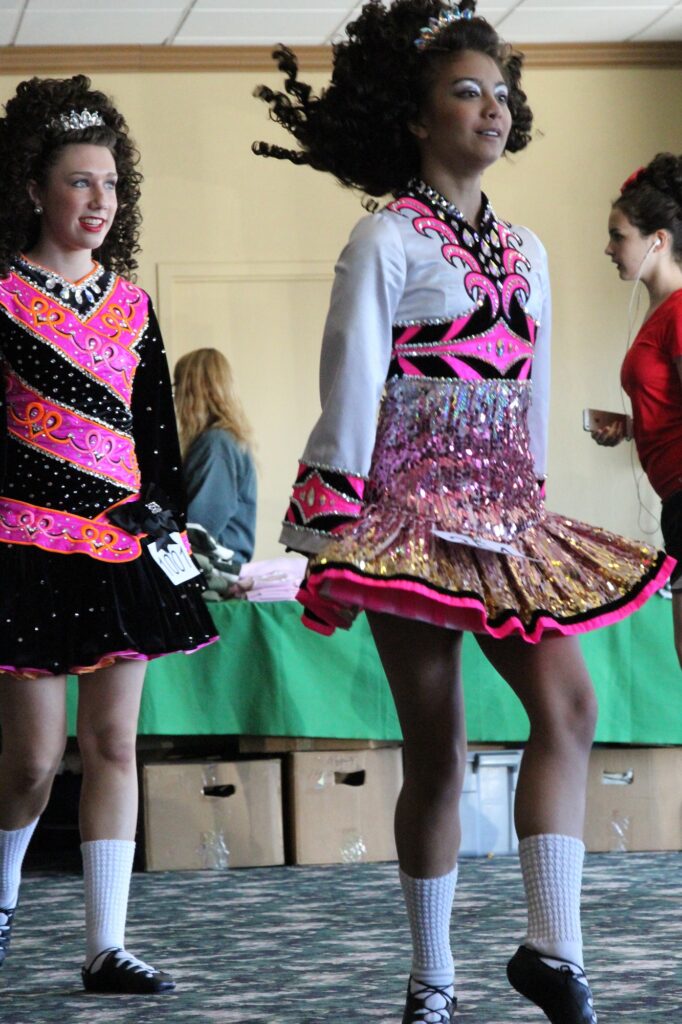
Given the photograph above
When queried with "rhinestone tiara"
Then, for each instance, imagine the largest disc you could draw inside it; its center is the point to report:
(76, 120)
(451, 13)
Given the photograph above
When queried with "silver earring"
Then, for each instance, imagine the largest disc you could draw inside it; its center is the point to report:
(38, 210)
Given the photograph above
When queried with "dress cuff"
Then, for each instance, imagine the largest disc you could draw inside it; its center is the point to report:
(324, 500)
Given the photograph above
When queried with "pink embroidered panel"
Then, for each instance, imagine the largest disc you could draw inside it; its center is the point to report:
(69, 436)
(102, 345)
(324, 499)
(65, 533)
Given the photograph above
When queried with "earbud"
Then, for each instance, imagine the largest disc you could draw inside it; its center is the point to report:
(654, 246)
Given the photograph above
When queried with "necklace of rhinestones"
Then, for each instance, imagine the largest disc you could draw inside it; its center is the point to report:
(87, 288)
(436, 199)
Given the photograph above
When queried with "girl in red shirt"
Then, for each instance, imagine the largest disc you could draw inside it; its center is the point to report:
(645, 243)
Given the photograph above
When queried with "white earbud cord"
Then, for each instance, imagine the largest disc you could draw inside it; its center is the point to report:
(638, 474)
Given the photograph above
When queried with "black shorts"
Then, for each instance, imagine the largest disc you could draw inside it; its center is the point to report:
(671, 527)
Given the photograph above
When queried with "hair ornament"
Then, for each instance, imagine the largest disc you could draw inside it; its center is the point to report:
(633, 179)
(451, 13)
(76, 120)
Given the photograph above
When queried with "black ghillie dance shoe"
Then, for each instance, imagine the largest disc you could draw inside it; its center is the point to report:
(429, 1004)
(6, 918)
(561, 992)
(120, 972)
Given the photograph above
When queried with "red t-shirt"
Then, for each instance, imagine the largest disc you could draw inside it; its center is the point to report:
(650, 377)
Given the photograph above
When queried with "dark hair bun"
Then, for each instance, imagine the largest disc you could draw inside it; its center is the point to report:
(651, 199)
(665, 174)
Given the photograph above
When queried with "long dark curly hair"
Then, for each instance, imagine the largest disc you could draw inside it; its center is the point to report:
(31, 139)
(358, 128)
(651, 199)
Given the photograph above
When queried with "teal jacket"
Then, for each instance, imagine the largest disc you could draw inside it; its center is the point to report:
(221, 489)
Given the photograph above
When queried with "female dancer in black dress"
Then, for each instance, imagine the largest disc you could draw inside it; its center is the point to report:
(94, 568)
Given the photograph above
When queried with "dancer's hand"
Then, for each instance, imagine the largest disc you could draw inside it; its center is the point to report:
(610, 435)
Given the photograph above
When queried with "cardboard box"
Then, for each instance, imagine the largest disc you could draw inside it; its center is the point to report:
(342, 805)
(291, 744)
(487, 804)
(634, 799)
(213, 815)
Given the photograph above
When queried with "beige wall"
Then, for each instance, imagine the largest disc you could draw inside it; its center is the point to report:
(238, 252)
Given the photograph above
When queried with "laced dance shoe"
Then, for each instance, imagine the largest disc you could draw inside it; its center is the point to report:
(120, 972)
(6, 918)
(429, 1004)
(561, 992)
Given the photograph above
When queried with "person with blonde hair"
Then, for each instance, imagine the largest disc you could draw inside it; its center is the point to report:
(215, 438)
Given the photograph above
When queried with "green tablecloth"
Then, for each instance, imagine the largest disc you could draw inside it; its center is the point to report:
(268, 675)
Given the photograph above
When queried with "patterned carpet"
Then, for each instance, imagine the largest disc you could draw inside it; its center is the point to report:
(330, 945)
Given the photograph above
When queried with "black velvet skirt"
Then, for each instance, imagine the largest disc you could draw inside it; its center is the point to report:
(70, 613)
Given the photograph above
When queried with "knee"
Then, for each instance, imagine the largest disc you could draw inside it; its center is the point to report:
(583, 717)
(110, 746)
(32, 775)
(573, 719)
(436, 771)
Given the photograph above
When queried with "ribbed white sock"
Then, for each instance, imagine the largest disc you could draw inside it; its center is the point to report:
(429, 906)
(552, 867)
(13, 846)
(107, 867)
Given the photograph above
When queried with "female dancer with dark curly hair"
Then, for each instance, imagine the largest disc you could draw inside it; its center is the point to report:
(645, 243)
(91, 499)
(430, 516)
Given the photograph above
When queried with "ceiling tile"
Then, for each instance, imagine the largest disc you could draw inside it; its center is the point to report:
(42, 28)
(8, 24)
(253, 22)
(257, 27)
(131, 8)
(492, 9)
(668, 27)
(286, 7)
(544, 25)
(582, 8)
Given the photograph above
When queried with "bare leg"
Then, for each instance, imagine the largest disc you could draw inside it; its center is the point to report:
(109, 703)
(33, 721)
(108, 708)
(551, 681)
(422, 666)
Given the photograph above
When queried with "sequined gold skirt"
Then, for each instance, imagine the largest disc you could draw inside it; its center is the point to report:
(452, 460)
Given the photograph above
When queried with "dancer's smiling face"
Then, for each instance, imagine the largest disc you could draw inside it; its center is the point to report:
(78, 197)
(465, 121)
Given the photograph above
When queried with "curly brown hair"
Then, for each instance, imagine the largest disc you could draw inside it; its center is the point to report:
(358, 128)
(31, 139)
(651, 199)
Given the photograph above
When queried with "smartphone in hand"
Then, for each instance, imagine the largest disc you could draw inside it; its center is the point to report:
(595, 420)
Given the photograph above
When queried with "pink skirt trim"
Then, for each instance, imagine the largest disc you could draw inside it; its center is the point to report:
(104, 662)
(332, 592)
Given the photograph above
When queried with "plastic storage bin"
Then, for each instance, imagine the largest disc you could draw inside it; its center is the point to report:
(487, 804)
